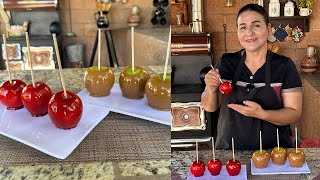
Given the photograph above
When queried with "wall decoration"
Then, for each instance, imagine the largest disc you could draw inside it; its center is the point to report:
(15, 65)
(42, 57)
(14, 51)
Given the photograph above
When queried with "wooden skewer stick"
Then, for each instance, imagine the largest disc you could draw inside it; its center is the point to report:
(197, 151)
(214, 157)
(260, 143)
(132, 48)
(30, 60)
(167, 56)
(99, 48)
(295, 130)
(233, 150)
(7, 62)
(278, 142)
(217, 76)
(59, 64)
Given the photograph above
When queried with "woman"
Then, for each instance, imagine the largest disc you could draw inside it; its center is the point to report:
(267, 90)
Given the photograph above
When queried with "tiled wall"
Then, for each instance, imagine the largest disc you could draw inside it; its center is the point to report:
(216, 14)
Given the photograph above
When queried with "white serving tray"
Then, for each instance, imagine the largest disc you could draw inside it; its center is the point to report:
(41, 134)
(222, 176)
(133, 107)
(284, 169)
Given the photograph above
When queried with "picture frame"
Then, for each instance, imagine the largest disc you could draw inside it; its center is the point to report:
(42, 58)
(14, 51)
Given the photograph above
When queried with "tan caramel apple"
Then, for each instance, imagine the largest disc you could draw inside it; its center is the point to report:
(261, 159)
(99, 82)
(132, 83)
(158, 92)
(279, 156)
(296, 158)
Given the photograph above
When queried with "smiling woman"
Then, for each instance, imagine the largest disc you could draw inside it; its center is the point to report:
(267, 90)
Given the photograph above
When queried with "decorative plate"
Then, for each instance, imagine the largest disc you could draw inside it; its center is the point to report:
(297, 34)
(280, 34)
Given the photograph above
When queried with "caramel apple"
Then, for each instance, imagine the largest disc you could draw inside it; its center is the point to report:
(158, 92)
(279, 156)
(261, 159)
(99, 82)
(132, 83)
(296, 158)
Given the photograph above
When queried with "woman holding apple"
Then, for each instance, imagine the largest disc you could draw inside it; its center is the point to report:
(266, 88)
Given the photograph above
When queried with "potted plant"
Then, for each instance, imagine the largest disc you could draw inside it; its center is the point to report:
(305, 7)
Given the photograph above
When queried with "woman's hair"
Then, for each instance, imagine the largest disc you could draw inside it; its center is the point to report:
(255, 8)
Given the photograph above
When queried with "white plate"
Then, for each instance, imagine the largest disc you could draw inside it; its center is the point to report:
(41, 134)
(284, 169)
(222, 176)
(133, 107)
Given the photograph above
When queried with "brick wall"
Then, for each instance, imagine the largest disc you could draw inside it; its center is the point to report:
(216, 14)
(83, 23)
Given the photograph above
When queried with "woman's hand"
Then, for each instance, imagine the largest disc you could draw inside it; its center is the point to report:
(250, 109)
(211, 79)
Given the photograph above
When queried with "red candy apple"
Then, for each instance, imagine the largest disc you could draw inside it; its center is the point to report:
(65, 112)
(225, 88)
(214, 167)
(197, 168)
(36, 99)
(233, 167)
(10, 94)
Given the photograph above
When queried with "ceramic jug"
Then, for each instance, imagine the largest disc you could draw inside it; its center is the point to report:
(310, 63)
(102, 20)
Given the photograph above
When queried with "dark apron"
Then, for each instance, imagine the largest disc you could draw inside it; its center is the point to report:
(245, 130)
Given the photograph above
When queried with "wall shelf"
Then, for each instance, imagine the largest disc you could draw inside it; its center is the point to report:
(302, 21)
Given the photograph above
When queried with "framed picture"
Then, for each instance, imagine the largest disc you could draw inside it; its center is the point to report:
(15, 65)
(14, 51)
(42, 57)
(187, 116)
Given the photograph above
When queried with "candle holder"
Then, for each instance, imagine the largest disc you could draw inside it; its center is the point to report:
(228, 3)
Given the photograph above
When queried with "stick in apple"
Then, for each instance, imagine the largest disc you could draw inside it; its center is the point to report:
(8, 67)
(214, 157)
(218, 76)
(132, 49)
(197, 150)
(233, 150)
(30, 60)
(59, 64)
(260, 143)
(99, 48)
(278, 139)
(167, 56)
(295, 131)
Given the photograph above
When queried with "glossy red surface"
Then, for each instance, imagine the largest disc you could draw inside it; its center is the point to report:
(225, 88)
(36, 99)
(233, 167)
(65, 113)
(215, 167)
(10, 94)
(197, 168)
